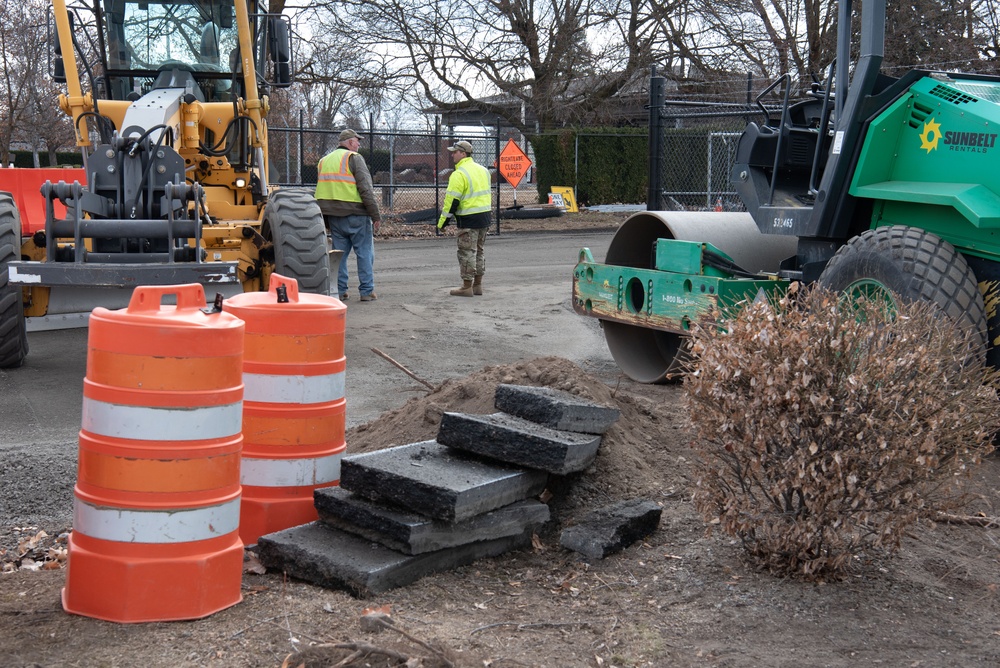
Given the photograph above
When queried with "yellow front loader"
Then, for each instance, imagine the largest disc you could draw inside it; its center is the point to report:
(167, 100)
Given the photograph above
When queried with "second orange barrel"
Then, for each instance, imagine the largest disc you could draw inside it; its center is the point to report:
(294, 404)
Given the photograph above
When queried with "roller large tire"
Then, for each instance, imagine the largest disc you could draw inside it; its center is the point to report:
(914, 265)
(293, 221)
(13, 335)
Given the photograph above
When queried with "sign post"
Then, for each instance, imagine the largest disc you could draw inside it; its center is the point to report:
(514, 164)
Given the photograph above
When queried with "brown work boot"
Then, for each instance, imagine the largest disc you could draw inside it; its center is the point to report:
(477, 285)
(464, 291)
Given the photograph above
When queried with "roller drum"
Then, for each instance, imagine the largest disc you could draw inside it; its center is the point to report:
(653, 356)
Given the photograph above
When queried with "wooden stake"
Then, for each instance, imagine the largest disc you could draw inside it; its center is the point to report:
(403, 369)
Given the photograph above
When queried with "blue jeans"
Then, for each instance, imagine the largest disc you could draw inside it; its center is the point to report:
(354, 233)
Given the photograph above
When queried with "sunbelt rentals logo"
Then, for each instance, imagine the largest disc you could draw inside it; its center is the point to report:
(958, 142)
(929, 137)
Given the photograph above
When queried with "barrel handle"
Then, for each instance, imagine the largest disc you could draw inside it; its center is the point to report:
(290, 284)
(150, 297)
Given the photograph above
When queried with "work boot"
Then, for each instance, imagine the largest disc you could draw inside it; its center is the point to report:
(464, 291)
(477, 285)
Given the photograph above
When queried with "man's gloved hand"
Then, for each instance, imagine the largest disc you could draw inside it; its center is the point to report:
(445, 220)
(375, 226)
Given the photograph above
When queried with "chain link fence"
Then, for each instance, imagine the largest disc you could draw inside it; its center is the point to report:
(695, 141)
(696, 159)
(409, 172)
(690, 167)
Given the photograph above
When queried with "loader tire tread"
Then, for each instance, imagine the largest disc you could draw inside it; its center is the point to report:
(915, 264)
(13, 334)
(294, 223)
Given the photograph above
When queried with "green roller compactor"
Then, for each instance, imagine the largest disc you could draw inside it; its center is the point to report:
(892, 188)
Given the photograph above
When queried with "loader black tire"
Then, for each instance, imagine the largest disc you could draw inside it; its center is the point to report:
(915, 265)
(13, 335)
(294, 223)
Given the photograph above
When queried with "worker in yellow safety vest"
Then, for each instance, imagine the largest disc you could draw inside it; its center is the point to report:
(469, 200)
(347, 199)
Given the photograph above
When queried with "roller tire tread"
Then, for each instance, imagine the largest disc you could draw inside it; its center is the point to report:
(925, 266)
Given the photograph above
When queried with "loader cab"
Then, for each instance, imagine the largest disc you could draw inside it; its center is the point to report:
(166, 43)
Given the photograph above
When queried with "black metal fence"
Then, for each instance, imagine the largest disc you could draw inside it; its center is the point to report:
(693, 151)
(409, 170)
(689, 163)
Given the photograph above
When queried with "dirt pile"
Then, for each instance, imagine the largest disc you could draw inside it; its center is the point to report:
(624, 466)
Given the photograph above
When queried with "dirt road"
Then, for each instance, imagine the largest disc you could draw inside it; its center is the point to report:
(525, 313)
(682, 597)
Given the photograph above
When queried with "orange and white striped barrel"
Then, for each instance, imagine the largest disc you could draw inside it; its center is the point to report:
(294, 404)
(156, 504)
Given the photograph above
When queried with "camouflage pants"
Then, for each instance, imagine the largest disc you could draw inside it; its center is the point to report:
(471, 261)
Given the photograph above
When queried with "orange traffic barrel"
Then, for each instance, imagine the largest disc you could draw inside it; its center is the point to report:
(156, 505)
(294, 403)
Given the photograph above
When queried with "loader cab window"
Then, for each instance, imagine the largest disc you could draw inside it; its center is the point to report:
(145, 39)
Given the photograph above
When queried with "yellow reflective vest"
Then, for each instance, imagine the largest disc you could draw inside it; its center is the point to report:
(470, 185)
(335, 179)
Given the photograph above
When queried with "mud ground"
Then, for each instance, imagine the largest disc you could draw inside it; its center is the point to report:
(683, 597)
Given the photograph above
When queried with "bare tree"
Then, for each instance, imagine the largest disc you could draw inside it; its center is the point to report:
(935, 34)
(557, 62)
(29, 109)
(767, 37)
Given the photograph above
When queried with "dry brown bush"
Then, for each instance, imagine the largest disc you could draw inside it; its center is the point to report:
(825, 430)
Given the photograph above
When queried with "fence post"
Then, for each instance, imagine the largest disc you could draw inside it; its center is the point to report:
(371, 139)
(576, 163)
(654, 195)
(496, 160)
(388, 195)
(437, 173)
(298, 163)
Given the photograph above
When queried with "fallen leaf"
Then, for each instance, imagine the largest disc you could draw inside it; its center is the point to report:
(384, 609)
(251, 564)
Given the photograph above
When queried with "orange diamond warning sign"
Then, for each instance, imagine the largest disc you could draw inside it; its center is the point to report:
(514, 163)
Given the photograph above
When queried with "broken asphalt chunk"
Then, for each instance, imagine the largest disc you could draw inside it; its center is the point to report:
(555, 408)
(411, 533)
(514, 440)
(612, 528)
(433, 480)
(335, 559)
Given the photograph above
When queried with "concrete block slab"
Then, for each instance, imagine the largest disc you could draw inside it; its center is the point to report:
(410, 533)
(612, 529)
(336, 559)
(514, 440)
(433, 480)
(555, 408)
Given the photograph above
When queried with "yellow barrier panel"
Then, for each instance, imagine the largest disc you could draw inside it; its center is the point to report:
(565, 198)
